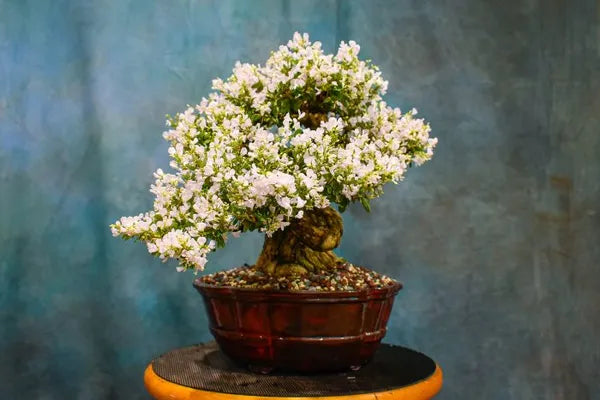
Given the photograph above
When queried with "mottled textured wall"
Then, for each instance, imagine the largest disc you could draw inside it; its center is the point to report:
(497, 239)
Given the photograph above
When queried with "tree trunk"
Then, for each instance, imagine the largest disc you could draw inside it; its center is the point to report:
(304, 246)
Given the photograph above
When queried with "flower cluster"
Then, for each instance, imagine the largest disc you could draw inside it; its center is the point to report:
(305, 130)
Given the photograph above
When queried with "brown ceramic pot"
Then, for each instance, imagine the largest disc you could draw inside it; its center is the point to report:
(300, 331)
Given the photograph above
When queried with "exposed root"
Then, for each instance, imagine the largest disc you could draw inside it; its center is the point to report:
(304, 246)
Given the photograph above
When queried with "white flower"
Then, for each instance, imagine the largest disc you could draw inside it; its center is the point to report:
(247, 151)
(152, 248)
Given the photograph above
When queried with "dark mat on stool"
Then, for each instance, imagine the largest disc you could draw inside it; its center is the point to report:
(204, 367)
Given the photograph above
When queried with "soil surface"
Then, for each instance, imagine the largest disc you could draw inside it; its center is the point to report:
(343, 277)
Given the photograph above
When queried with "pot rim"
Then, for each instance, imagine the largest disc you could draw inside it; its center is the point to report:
(368, 292)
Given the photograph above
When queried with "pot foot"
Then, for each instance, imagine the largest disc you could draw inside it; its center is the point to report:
(260, 369)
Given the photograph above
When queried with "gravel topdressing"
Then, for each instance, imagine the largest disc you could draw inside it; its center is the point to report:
(344, 277)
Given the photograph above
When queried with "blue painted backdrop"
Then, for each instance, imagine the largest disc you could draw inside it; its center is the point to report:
(497, 239)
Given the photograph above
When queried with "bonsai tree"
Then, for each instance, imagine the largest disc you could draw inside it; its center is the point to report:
(271, 150)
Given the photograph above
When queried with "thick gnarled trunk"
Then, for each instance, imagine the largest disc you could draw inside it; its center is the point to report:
(304, 246)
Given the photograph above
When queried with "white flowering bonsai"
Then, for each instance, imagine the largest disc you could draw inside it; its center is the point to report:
(271, 150)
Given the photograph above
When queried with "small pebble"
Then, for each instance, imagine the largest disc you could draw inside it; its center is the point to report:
(343, 277)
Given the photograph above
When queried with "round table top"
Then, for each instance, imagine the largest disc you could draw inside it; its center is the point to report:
(203, 372)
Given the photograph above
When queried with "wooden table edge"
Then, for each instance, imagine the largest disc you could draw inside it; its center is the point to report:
(161, 389)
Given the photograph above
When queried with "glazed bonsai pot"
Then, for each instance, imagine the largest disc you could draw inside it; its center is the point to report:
(304, 331)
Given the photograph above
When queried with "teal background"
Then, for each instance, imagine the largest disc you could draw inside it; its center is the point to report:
(497, 239)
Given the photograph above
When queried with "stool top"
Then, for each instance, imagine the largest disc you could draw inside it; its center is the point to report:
(205, 368)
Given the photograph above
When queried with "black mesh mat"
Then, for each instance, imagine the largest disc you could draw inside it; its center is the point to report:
(205, 367)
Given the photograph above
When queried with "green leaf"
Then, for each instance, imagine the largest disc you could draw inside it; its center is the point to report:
(258, 86)
(343, 204)
(365, 204)
(284, 106)
(220, 241)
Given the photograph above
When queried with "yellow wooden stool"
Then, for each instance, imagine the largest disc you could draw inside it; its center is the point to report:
(203, 373)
